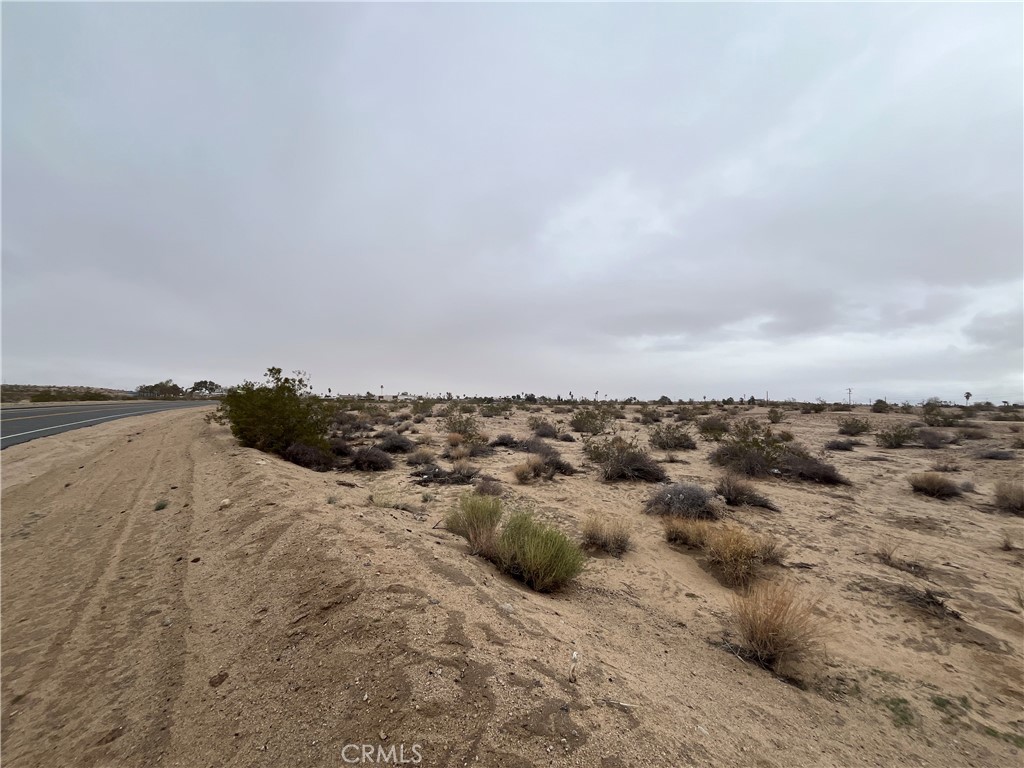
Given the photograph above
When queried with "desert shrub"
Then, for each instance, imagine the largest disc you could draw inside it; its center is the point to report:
(309, 456)
(531, 469)
(504, 440)
(476, 520)
(796, 464)
(649, 415)
(1010, 496)
(713, 427)
(423, 408)
(590, 420)
(880, 406)
(462, 472)
(339, 447)
(542, 557)
(687, 532)
(933, 484)
(972, 433)
(608, 536)
(738, 492)
(945, 465)
(785, 436)
(777, 625)
(734, 553)
(776, 415)
(567, 438)
(467, 449)
(853, 426)
(682, 500)
(464, 424)
(997, 455)
(552, 459)
(621, 459)
(487, 486)
(895, 436)
(457, 452)
(392, 442)
(273, 415)
(542, 427)
(371, 460)
(672, 437)
(419, 457)
(841, 445)
(932, 439)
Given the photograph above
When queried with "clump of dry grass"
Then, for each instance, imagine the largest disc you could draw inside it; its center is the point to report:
(608, 536)
(459, 452)
(682, 500)
(531, 469)
(778, 626)
(945, 465)
(735, 553)
(488, 486)
(455, 438)
(1010, 497)
(687, 532)
(933, 484)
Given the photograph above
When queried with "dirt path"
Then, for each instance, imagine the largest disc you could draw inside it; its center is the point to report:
(299, 618)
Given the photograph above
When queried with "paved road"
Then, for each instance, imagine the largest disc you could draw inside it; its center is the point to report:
(19, 425)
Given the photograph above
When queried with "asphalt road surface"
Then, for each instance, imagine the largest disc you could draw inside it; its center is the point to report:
(19, 425)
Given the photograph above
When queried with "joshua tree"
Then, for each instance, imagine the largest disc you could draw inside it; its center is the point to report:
(967, 398)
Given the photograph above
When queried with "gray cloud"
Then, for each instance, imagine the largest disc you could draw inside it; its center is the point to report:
(680, 199)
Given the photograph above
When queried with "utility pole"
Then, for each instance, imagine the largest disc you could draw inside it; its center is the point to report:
(849, 395)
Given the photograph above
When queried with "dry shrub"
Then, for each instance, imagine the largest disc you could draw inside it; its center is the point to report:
(622, 459)
(542, 427)
(420, 457)
(778, 626)
(488, 486)
(476, 520)
(995, 454)
(686, 531)
(458, 452)
(945, 465)
(340, 447)
(895, 436)
(309, 456)
(932, 439)
(682, 500)
(713, 427)
(455, 438)
(371, 460)
(853, 426)
(531, 469)
(608, 536)
(393, 442)
(735, 553)
(1010, 496)
(738, 492)
(505, 440)
(463, 471)
(972, 433)
(672, 437)
(933, 484)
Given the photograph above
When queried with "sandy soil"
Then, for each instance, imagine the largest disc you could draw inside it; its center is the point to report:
(299, 617)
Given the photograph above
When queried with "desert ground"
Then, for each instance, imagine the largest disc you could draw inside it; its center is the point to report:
(270, 615)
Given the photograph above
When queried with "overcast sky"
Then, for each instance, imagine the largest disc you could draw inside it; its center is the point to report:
(633, 199)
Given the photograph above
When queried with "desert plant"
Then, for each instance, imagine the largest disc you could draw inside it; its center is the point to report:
(542, 427)
(755, 451)
(686, 531)
(776, 415)
(713, 428)
(476, 520)
(590, 420)
(621, 459)
(419, 457)
(895, 436)
(339, 446)
(161, 504)
(995, 454)
(672, 437)
(542, 557)
(932, 439)
(735, 553)
(371, 460)
(777, 625)
(464, 424)
(972, 433)
(842, 445)
(272, 415)
(682, 500)
(796, 464)
(504, 440)
(945, 465)
(310, 456)
(853, 426)
(1010, 497)
(608, 536)
(880, 406)
(933, 484)
(487, 486)
(392, 442)
(738, 492)
(531, 469)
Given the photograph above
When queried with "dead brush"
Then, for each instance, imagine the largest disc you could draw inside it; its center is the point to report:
(777, 625)
(608, 536)
(933, 484)
(886, 555)
(738, 555)
(738, 492)
(1010, 497)
(687, 532)
(531, 469)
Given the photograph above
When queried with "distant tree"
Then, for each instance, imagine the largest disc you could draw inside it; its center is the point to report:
(664, 400)
(205, 387)
(967, 398)
(164, 390)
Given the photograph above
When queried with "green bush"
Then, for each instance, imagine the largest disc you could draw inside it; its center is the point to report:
(776, 415)
(852, 426)
(464, 424)
(713, 428)
(895, 436)
(672, 437)
(476, 520)
(542, 557)
(590, 420)
(755, 451)
(880, 406)
(621, 459)
(275, 414)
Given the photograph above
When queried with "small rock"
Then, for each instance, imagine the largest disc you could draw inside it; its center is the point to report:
(433, 601)
(507, 608)
(225, 503)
